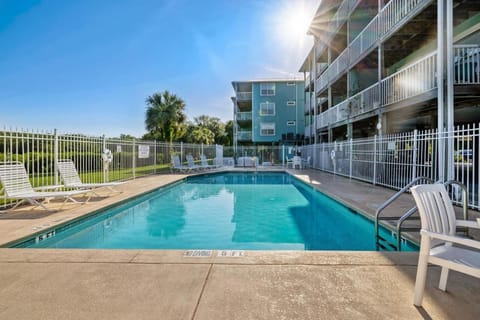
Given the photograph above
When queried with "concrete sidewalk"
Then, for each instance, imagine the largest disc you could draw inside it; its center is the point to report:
(136, 284)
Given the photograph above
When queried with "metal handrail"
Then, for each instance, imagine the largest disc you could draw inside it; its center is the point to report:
(393, 198)
(410, 212)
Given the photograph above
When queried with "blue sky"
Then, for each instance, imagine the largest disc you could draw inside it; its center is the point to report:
(87, 66)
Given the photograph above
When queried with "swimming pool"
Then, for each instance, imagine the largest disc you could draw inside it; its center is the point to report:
(251, 211)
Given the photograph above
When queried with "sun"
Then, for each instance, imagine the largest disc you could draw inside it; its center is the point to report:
(293, 20)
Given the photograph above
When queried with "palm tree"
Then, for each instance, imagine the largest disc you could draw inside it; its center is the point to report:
(203, 135)
(165, 117)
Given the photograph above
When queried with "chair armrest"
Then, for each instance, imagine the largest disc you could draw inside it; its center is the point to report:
(463, 241)
(468, 223)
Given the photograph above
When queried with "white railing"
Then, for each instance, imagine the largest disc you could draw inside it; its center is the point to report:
(242, 96)
(391, 17)
(396, 159)
(466, 64)
(244, 135)
(40, 150)
(244, 116)
(322, 82)
(415, 79)
(397, 11)
(365, 101)
(366, 40)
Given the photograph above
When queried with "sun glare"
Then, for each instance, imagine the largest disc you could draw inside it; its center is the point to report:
(293, 20)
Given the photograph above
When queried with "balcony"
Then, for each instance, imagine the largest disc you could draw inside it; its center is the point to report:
(244, 96)
(393, 16)
(466, 64)
(413, 80)
(244, 136)
(244, 116)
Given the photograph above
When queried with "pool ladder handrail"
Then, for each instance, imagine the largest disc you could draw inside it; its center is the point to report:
(387, 203)
(409, 213)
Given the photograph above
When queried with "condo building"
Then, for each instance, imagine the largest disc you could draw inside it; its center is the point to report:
(387, 66)
(268, 112)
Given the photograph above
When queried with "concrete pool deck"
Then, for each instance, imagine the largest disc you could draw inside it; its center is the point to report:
(163, 284)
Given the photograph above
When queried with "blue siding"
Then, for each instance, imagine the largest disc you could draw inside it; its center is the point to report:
(283, 112)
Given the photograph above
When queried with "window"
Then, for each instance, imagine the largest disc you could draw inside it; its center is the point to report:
(290, 83)
(267, 109)
(291, 103)
(267, 129)
(267, 89)
(291, 123)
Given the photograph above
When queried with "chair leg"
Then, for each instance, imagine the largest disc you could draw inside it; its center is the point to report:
(443, 279)
(421, 271)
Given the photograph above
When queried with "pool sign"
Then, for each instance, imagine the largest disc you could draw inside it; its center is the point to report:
(143, 151)
(119, 148)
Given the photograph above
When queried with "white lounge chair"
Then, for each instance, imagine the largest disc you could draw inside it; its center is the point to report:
(204, 163)
(438, 235)
(191, 163)
(16, 185)
(71, 179)
(177, 165)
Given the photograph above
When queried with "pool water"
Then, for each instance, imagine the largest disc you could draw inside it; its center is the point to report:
(251, 211)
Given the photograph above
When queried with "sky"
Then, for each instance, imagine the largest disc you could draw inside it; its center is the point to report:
(88, 66)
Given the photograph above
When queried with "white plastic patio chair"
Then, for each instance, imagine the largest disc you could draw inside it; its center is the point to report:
(438, 236)
(16, 185)
(204, 163)
(297, 161)
(191, 163)
(289, 161)
(71, 179)
(177, 165)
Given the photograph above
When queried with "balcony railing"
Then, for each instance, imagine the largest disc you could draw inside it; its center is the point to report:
(408, 82)
(466, 64)
(244, 135)
(412, 80)
(244, 96)
(342, 14)
(390, 18)
(244, 116)
(365, 101)
(366, 40)
(393, 14)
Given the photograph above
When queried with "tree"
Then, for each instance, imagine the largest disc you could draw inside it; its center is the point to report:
(165, 117)
(228, 133)
(202, 135)
(214, 124)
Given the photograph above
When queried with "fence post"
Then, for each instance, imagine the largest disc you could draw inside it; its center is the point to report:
(283, 155)
(154, 156)
(104, 164)
(351, 156)
(375, 160)
(201, 149)
(414, 156)
(133, 159)
(181, 152)
(55, 155)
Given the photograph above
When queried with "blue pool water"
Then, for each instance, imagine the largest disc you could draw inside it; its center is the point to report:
(261, 211)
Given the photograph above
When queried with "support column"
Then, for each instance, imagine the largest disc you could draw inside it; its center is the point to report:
(450, 90)
(440, 88)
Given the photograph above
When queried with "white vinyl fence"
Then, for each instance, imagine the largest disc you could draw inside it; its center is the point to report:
(39, 151)
(395, 160)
